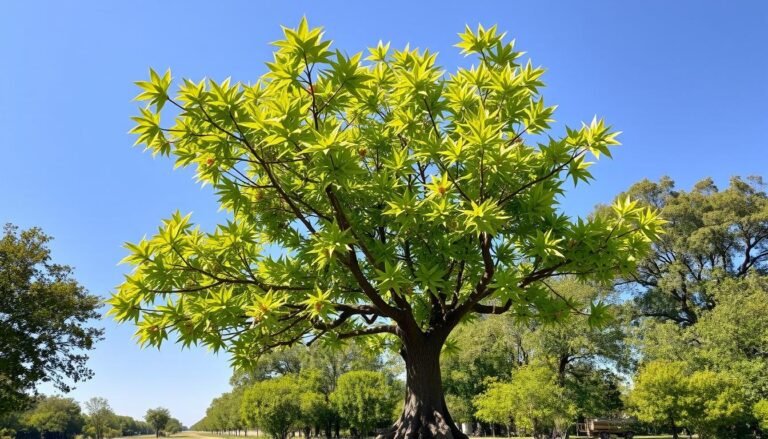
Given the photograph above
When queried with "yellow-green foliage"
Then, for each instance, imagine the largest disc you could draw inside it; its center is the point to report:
(364, 399)
(670, 394)
(533, 399)
(397, 193)
(760, 410)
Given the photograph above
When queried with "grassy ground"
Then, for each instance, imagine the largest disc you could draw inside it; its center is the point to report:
(203, 435)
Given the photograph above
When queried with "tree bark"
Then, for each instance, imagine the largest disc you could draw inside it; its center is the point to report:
(425, 414)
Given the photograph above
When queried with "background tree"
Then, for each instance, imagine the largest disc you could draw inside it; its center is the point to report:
(56, 418)
(712, 234)
(714, 405)
(288, 361)
(658, 394)
(44, 319)
(273, 405)
(129, 426)
(584, 357)
(100, 415)
(402, 199)
(364, 400)
(495, 405)
(701, 297)
(488, 347)
(158, 418)
(533, 399)
(730, 340)
(573, 345)
(173, 426)
(315, 411)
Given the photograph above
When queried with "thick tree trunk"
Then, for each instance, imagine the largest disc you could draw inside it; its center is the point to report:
(425, 414)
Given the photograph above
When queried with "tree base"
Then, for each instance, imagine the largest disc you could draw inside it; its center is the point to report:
(426, 426)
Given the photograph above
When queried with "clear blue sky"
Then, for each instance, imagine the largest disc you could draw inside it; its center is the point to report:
(687, 82)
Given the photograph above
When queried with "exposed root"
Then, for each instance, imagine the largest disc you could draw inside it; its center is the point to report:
(431, 424)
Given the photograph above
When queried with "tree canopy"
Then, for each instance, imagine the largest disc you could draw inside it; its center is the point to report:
(712, 234)
(59, 416)
(44, 319)
(376, 195)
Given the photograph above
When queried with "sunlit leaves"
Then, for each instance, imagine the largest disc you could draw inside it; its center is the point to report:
(149, 132)
(329, 243)
(393, 278)
(343, 175)
(486, 217)
(475, 42)
(305, 43)
(156, 89)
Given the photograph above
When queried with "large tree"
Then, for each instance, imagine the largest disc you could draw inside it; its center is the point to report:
(712, 234)
(371, 197)
(45, 319)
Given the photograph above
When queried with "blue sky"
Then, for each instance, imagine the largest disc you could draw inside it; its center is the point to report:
(686, 81)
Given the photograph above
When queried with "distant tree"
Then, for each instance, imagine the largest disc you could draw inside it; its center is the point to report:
(488, 347)
(596, 392)
(44, 319)
(288, 361)
(129, 426)
(403, 199)
(364, 399)
(9, 424)
(714, 406)
(273, 405)
(711, 234)
(100, 415)
(173, 426)
(573, 343)
(56, 418)
(495, 405)
(576, 351)
(315, 410)
(158, 418)
(659, 393)
(224, 412)
(701, 297)
(533, 399)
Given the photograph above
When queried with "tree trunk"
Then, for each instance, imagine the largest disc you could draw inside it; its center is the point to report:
(425, 414)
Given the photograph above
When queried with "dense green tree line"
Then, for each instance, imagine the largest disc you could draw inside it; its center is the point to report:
(318, 391)
(53, 417)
